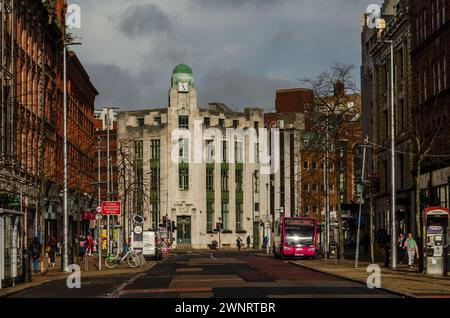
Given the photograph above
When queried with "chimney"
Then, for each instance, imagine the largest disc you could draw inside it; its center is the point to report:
(339, 89)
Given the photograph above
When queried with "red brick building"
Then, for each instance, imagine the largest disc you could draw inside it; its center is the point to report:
(32, 120)
(101, 141)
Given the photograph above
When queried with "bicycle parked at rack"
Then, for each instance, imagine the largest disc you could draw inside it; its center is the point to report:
(132, 258)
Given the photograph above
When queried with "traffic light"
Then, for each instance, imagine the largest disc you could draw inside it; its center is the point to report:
(173, 226)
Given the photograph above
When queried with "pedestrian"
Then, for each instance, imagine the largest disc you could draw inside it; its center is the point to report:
(265, 242)
(90, 245)
(238, 243)
(52, 252)
(35, 249)
(248, 242)
(412, 249)
(82, 248)
(47, 250)
(401, 250)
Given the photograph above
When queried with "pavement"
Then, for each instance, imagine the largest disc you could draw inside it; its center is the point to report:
(89, 269)
(402, 281)
(218, 274)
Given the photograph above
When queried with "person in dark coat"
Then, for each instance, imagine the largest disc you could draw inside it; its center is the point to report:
(248, 242)
(35, 249)
(52, 252)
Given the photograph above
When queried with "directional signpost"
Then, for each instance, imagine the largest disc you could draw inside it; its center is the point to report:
(110, 208)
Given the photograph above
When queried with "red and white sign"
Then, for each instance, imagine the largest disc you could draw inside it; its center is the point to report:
(111, 207)
(99, 209)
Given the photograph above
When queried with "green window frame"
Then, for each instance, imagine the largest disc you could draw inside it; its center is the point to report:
(209, 216)
(239, 180)
(183, 176)
(209, 179)
(224, 178)
(239, 216)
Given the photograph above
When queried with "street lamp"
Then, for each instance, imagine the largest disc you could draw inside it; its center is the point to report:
(65, 262)
(108, 184)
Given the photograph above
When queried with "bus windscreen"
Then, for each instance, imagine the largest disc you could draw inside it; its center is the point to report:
(299, 232)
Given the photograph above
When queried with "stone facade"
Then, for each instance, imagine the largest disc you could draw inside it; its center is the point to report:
(179, 183)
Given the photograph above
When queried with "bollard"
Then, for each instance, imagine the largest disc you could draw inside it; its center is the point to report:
(26, 266)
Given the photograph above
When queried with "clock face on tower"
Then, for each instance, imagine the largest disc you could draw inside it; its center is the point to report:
(183, 87)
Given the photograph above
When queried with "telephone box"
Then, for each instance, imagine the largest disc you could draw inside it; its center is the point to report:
(437, 240)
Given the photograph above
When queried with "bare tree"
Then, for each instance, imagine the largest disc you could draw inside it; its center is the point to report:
(331, 122)
(131, 187)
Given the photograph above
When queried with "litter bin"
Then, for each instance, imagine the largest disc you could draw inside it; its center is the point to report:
(26, 266)
(333, 252)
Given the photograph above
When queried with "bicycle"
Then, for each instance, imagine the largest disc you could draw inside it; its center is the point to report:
(133, 259)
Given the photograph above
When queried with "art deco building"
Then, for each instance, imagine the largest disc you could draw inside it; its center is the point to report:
(198, 167)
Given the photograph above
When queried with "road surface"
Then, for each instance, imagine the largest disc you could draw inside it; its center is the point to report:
(217, 274)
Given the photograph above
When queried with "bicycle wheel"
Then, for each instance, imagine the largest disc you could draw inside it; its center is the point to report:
(134, 260)
(111, 261)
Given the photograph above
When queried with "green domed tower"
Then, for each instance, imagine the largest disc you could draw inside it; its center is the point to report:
(182, 73)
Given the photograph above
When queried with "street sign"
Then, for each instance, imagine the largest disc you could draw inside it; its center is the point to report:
(138, 229)
(111, 207)
(138, 219)
(98, 209)
(98, 216)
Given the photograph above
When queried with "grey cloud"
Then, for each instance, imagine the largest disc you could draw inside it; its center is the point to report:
(144, 19)
(239, 89)
(241, 51)
(236, 3)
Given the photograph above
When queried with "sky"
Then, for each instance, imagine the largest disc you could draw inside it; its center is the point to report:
(241, 51)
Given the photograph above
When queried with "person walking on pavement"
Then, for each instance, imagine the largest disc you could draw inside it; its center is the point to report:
(401, 250)
(412, 249)
(52, 247)
(90, 245)
(35, 249)
(238, 243)
(248, 242)
(82, 248)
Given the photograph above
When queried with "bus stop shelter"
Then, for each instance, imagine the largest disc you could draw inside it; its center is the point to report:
(9, 239)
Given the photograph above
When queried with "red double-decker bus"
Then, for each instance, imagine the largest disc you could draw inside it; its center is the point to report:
(295, 237)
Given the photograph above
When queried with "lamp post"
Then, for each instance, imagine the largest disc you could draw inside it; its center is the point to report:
(108, 184)
(65, 261)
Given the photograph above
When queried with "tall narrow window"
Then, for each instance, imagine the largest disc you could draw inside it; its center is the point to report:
(239, 180)
(209, 179)
(225, 215)
(183, 176)
(210, 151)
(209, 216)
(224, 151)
(183, 150)
(224, 179)
(238, 151)
(155, 149)
(239, 216)
(183, 122)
